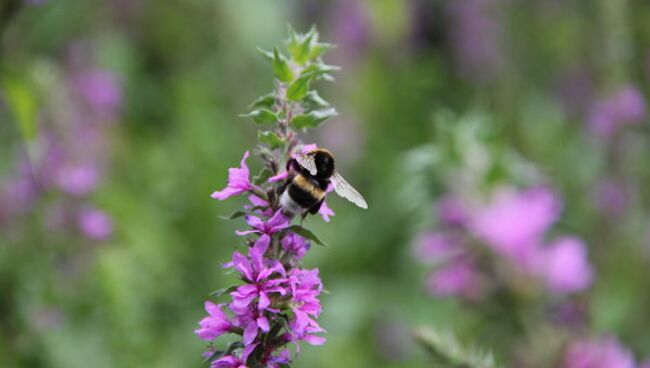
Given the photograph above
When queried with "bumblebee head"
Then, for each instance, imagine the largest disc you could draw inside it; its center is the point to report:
(324, 161)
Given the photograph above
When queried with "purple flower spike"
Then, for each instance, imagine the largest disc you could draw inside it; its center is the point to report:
(238, 181)
(606, 352)
(214, 325)
(459, 278)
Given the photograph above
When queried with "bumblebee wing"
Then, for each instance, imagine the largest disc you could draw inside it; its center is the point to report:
(345, 190)
(307, 161)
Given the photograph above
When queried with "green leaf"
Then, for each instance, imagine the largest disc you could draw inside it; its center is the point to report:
(318, 49)
(320, 68)
(266, 101)
(262, 116)
(314, 100)
(234, 215)
(313, 119)
(220, 292)
(23, 105)
(270, 138)
(299, 88)
(268, 55)
(306, 234)
(281, 67)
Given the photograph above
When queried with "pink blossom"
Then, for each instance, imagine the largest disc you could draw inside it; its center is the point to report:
(625, 106)
(214, 325)
(566, 268)
(271, 226)
(606, 352)
(78, 180)
(295, 245)
(451, 211)
(95, 224)
(238, 181)
(515, 221)
(458, 278)
(101, 91)
(325, 212)
(435, 246)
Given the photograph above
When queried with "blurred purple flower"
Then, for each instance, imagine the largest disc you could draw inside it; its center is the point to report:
(215, 324)
(515, 221)
(95, 224)
(459, 278)
(626, 106)
(101, 91)
(610, 198)
(565, 267)
(238, 181)
(606, 352)
(350, 29)
(78, 180)
(451, 211)
(435, 246)
(475, 36)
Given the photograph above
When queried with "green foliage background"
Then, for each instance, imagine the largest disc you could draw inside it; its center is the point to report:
(189, 67)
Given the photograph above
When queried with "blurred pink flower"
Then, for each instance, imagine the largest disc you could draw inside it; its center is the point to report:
(451, 211)
(458, 278)
(95, 224)
(566, 268)
(515, 221)
(435, 246)
(610, 198)
(78, 180)
(605, 352)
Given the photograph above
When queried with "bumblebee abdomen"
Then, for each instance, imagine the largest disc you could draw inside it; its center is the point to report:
(304, 192)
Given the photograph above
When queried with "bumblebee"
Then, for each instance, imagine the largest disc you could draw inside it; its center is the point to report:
(310, 175)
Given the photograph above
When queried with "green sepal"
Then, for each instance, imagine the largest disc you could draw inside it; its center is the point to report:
(299, 88)
(306, 234)
(220, 292)
(313, 118)
(320, 48)
(261, 116)
(265, 101)
(300, 45)
(270, 138)
(281, 67)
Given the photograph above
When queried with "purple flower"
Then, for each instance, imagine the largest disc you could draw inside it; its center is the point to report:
(325, 212)
(214, 325)
(95, 224)
(566, 268)
(281, 176)
(513, 223)
(458, 278)
(305, 288)
(100, 90)
(78, 180)
(234, 361)
(276, 223)
(435, 246)
(256, 273)
(605, 352)
(238, 181)
(295, 245)
(282, 359)
(624, 107)
(611, 198)
(307, 334)
(451, 211)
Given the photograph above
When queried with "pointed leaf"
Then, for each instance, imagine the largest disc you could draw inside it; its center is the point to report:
(306, 234)
(313, 99)
(318, 49)
(265, 101)
(281, 67)
(313, 119)
(267, 54)
(262, 116)
(320, 68)
(270, 138)
(299, 88)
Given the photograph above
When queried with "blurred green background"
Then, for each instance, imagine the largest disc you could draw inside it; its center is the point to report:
(186, 69)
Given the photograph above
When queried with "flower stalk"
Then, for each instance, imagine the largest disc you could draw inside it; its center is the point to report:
(276, 304)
